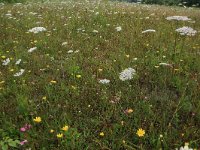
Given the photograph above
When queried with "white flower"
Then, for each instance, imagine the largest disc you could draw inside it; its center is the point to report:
(32, 49)
(127, 74)
(149, 30)
(165, 64)
(70, 51)
(104, 81)
(186, 147)
(118, 28)
(19, 73)
(6, 62)
(64, 43)
(179, 18)
(18, 62)
(186, 31)
(37, 29)
(95, 31)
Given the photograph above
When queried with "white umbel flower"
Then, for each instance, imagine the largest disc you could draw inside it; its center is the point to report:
(186, 31)
(6, 62)
(127, 74)
(37, 29)
(186, 147)
(118, 28)
(18, 62)
(149, 30)
(32, 49)
(104, 81)
(178, 18)
(165, 64)
(19, 73)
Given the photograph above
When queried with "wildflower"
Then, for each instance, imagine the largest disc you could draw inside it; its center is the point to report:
(3, 57)
(2, 82)
(118, 28)
(70, 51)
(178, 18)
(149, 30)
(6, 62)
(23, 142)
(104, 81)
(53, 81)
(101, 134)
(18, 62)
(100, 70)
(127, 56)
(51, 131)
(44, 98)
(165, 64)
(78, 76)
(22, 129)
(37, 119)
(95, 31)
(37, 29)
(186, 31)
(32, 49)
(140, 132)
(19, 73)
(127, 74)
(25, 127)
(186, 147)
(60, 135)
(65, 128)
(64, 43)
(129, 111)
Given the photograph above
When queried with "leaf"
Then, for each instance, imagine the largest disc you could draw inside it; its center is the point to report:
(4, 147)
(12, 144)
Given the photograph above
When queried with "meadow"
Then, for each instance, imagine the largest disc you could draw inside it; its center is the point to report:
(85, 75)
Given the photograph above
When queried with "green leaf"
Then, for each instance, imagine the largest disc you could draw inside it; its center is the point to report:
(4, 147)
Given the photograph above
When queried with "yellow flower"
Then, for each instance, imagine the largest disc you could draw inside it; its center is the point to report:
(37, 119)
(53, 81)
(60, 135)
(101, 134)
(65, 128)
(44, 98)
(3, 57)
(78, 76)
(100, 70)
(51, 131)
(140, 132)
(11, 70)
(129, 110)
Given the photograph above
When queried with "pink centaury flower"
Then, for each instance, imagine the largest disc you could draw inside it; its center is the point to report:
(25, 128)
(23, 142)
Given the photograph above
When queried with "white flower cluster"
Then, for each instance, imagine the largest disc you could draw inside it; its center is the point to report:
(127, 74)
(32, 49)
(178, 18)
(37, 29)
(186, 147)
(19, 73)
(186, 31)
(6, 62)
(118, 28)
(104, 81)
(149, 30)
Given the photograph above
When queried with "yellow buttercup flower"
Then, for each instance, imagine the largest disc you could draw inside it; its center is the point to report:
(60, 135)
(65, 128)
(3, 57)
(78, 76)
(37, 119)
(129, 110)
(101, 134)
(53, 81)
(44, 98)
(140, 132)
(51, 131)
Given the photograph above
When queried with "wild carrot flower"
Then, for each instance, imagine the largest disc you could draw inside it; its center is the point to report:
(6, 62)
(186, 147)
(19, 73)
(32, 49)
(178, 18)
(127, 74)
(118, 28)
(104, 81)
(37, 119)
(140, 132)
(37, 29)
(60, 135)
(186, 31)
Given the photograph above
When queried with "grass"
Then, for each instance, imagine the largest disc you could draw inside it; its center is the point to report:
(164, 99)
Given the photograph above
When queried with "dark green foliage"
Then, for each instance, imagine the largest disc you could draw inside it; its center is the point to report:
(12, 1)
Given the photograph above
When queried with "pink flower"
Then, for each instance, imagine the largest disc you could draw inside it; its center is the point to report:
(22, 129)
(23, 142)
